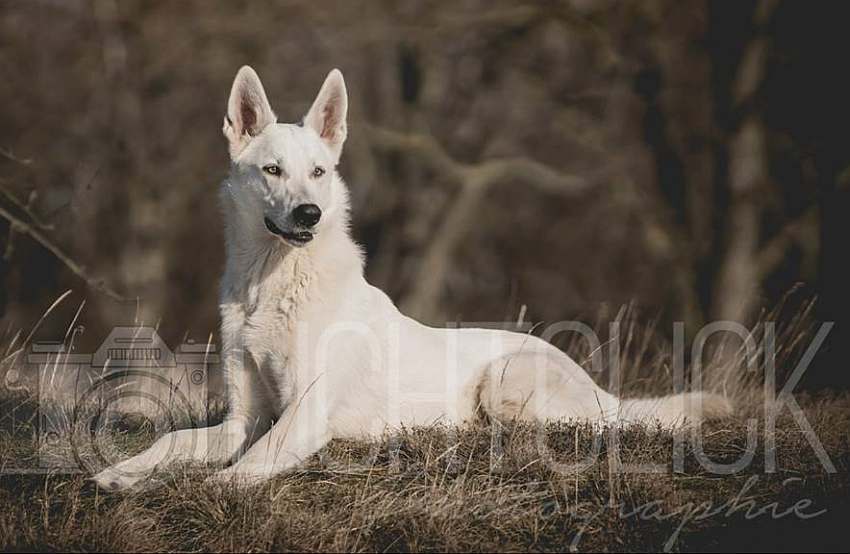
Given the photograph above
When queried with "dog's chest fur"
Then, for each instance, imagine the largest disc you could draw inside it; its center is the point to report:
(272, 294)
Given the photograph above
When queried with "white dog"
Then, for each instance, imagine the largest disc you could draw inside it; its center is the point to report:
(311, 351)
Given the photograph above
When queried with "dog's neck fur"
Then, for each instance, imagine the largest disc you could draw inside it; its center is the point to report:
(287, 276)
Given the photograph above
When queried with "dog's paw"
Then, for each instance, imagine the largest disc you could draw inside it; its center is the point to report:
(113, 479)
(230, 478)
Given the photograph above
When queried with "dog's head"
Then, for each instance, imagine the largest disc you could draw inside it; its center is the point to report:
(283, 175)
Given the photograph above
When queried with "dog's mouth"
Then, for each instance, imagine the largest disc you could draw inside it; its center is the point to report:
(295, 238)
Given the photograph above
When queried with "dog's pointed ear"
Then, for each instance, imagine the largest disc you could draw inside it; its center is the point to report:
(328, 113)
(248, 110)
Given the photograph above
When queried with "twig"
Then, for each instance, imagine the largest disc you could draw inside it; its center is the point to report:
(10, 156)
(77, 269)
(26, 208)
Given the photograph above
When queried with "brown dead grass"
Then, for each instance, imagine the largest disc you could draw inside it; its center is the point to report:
(438, 489)
(446, 492)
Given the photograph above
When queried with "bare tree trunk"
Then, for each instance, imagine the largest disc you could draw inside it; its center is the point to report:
(736, 290)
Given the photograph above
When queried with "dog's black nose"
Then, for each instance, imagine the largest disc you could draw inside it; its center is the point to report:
(307, 214)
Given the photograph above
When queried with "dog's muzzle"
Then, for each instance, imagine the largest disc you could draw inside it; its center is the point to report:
(296, 238)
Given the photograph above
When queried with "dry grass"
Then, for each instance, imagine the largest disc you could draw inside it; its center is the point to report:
(437, 489)
(424, 499)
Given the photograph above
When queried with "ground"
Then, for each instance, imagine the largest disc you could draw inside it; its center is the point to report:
(455, 490)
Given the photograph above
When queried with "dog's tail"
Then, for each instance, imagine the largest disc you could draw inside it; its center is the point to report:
(690, 408)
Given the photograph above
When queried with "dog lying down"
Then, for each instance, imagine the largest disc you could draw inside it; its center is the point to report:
(311, 351)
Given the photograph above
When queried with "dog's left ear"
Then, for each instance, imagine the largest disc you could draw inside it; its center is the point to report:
(328, 113)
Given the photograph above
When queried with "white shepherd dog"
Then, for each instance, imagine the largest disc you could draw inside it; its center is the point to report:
(311, 351)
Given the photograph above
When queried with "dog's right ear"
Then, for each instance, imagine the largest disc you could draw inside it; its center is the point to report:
(248, 110)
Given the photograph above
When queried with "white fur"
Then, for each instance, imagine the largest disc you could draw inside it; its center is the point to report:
(312, 351)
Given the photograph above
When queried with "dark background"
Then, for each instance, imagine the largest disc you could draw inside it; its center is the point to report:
(691, 157)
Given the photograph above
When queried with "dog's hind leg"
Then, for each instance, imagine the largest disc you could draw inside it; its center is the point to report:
(543, 386)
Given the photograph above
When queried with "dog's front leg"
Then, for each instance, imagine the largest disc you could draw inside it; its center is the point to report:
(301, 432)
(217, 445)
(214, 444)
(247, 418)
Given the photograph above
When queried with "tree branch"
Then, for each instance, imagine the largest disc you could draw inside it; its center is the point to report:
(432, 153)
(26, 208)
(772, 254)
(423, 146)
(77, 269)
(474, 180)
(12, 157)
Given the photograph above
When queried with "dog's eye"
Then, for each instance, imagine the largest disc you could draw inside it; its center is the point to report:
(318, 171)
(272, 169)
